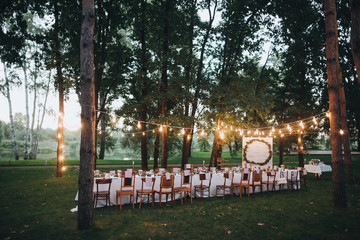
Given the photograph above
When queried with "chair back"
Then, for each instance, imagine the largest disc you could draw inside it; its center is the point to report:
(204, 177)
(284, 174)
(228, 177)
(186, 178)
(257, 176)
(103, 181)
(188, 167)
(271, 176)
(294, 175)
(219, 161)
(245, 176)
(148, 182)
(127, 181)
(167, 181)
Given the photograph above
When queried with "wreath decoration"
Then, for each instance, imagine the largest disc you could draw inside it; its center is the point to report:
(258, 163)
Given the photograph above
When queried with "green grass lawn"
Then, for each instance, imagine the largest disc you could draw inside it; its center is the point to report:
(36, 205)
(196, 157)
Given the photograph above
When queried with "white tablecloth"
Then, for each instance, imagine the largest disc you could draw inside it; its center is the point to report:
(318, 169)
(217, 179)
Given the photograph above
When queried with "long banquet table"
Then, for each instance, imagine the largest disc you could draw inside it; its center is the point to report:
(217, 179)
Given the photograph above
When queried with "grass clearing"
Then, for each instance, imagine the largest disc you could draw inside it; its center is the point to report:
(36, 205)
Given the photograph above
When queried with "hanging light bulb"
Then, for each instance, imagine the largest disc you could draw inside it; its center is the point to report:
(143, 133)
(231, 128)
(341, 132)
(139, 125)
(256, 132)
(248, 132)
(114, 120)
(279, 130)
(315, 121)
(299, 139)
(241, 132)
(202, 133)
(188, 137)
(328, 114)
(161, 128)
(111, 134)
(133, 135)
(301, 124)
(273, 129)
(183, 131)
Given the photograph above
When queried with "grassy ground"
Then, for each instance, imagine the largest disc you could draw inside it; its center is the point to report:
(36, 205)
(196, 157)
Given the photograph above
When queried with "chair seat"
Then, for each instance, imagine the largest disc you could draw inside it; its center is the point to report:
(101, 193)
(266, 182)
(164, 190)
(222, 186)
(124, 192)
(201, 186)
(182, 189)
(257, 184)
(145, 191)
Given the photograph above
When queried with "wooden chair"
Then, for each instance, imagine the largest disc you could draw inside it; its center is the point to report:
(294, 179)
(185, 185)
(203, 187)
(227, 186)
(127, 188)
(283, 175)
(166, 187)
(271, 175)
(102, 194)
(243, 184)
(146, 192)
(256, 180)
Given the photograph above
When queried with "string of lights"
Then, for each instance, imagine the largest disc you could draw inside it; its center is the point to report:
(282, 130)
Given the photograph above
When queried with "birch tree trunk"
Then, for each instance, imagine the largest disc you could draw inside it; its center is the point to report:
(34, 147)
(33, 153)
(16, 150)
(88, 118)
(26, 137)
(339, 195)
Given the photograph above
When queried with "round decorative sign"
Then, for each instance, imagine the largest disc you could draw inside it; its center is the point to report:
(253, 162)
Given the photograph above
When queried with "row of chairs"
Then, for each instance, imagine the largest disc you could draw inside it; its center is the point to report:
(147, 191)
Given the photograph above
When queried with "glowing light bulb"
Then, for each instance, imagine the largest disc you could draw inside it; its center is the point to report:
(143, 133)
(341, 132)
(161, 128)
(299, 140)
(222, 136)
(183, 131)
(301, 124)
(59, 135)
(314, 121)
(61, 157)
(114, 120)
(133, 135)
(63, 168)
(273, 129)
(188, 137)
(139, 125)
(328, 114)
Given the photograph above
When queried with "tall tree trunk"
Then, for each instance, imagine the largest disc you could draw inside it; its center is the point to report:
(15, 145)
(33, 153)
(355, 35)
(156, 149)
(34, 147)
(201, 66)
(164, 82)
(345, 137)
(281, 150)
(339, 195)
(300, 151)
(214, 151)
(102, 136)
(157, 142)
(26, 137)
(88, 118)
(60, 130)
(143, 115)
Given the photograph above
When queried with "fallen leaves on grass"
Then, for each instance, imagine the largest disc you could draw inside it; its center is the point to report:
(261, 224)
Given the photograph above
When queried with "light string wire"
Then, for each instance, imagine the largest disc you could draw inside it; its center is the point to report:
(281, 129)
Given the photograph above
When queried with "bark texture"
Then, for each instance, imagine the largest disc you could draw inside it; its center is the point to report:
(355, 34)
(88, 118)
(339, 196)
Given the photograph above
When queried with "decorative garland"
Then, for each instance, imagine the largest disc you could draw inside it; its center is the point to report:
(257, 140)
